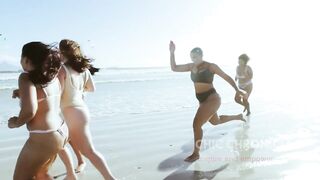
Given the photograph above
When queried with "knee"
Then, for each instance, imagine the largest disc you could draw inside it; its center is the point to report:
(237, 99)
(214, 122)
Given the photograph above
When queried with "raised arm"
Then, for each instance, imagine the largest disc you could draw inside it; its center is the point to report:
(29, 104)
(216, 69)
(174, 66)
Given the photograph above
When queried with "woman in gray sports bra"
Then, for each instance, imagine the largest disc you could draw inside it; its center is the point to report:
(209, 100)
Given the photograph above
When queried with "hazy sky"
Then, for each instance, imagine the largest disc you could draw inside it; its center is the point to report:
(132, 33)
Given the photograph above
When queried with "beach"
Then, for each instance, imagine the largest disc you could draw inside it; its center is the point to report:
(141, 121)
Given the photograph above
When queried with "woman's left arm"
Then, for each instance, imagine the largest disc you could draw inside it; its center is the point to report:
(29, 103)
(216, 69)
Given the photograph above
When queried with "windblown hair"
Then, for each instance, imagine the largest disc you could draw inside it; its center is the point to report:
(244, 57)
(76, 60)
(197, 50)
(45, 59)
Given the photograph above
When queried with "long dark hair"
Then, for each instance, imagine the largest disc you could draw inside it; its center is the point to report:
(45, 60)
(78, 62)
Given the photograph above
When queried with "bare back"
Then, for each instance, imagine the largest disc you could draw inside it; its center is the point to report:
(48, 115)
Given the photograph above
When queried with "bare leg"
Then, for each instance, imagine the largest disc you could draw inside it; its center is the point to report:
(248, 89)
(65, 156)
(81, 163)
(205, 111)
(34, 159)
(239, 100)
(81, 138)
(215, 119)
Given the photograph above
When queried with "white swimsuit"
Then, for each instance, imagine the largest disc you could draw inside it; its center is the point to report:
(243, 85)
(74, 86)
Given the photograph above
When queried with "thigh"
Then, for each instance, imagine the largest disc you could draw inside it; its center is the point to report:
(76, 117)
(248, 90)
(79, 129)
(207, 109)
(32, 159)
(214, 119)
(82, 140)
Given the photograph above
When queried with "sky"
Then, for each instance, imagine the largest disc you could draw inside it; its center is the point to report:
(135, 33)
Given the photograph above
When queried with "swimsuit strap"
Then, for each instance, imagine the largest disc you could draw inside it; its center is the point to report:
(46, 93)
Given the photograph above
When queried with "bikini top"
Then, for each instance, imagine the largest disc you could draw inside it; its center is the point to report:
(45, 91)
(50, 96)
(205, 76)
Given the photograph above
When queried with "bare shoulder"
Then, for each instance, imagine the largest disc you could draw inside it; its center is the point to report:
(212, 65)
(24, 77)
(24, 80)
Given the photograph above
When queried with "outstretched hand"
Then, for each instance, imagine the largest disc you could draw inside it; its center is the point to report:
(172, 47)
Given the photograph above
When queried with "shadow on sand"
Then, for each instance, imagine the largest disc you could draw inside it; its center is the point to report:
(183, 174)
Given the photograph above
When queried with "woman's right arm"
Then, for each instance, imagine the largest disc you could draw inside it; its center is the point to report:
(29, 104)
(174, 66)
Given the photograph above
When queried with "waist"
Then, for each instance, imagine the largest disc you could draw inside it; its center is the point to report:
(45, 131)
(210, 91)
(75, 100)
(202, 87)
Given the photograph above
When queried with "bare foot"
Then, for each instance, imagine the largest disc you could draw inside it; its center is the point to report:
(193, 157)
(241, 118)
(80, 167)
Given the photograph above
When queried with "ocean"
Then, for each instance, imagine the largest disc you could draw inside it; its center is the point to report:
(127, 91)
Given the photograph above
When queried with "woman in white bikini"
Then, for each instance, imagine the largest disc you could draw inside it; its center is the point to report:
(40, 94)
(77, 79)
(244, 77)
